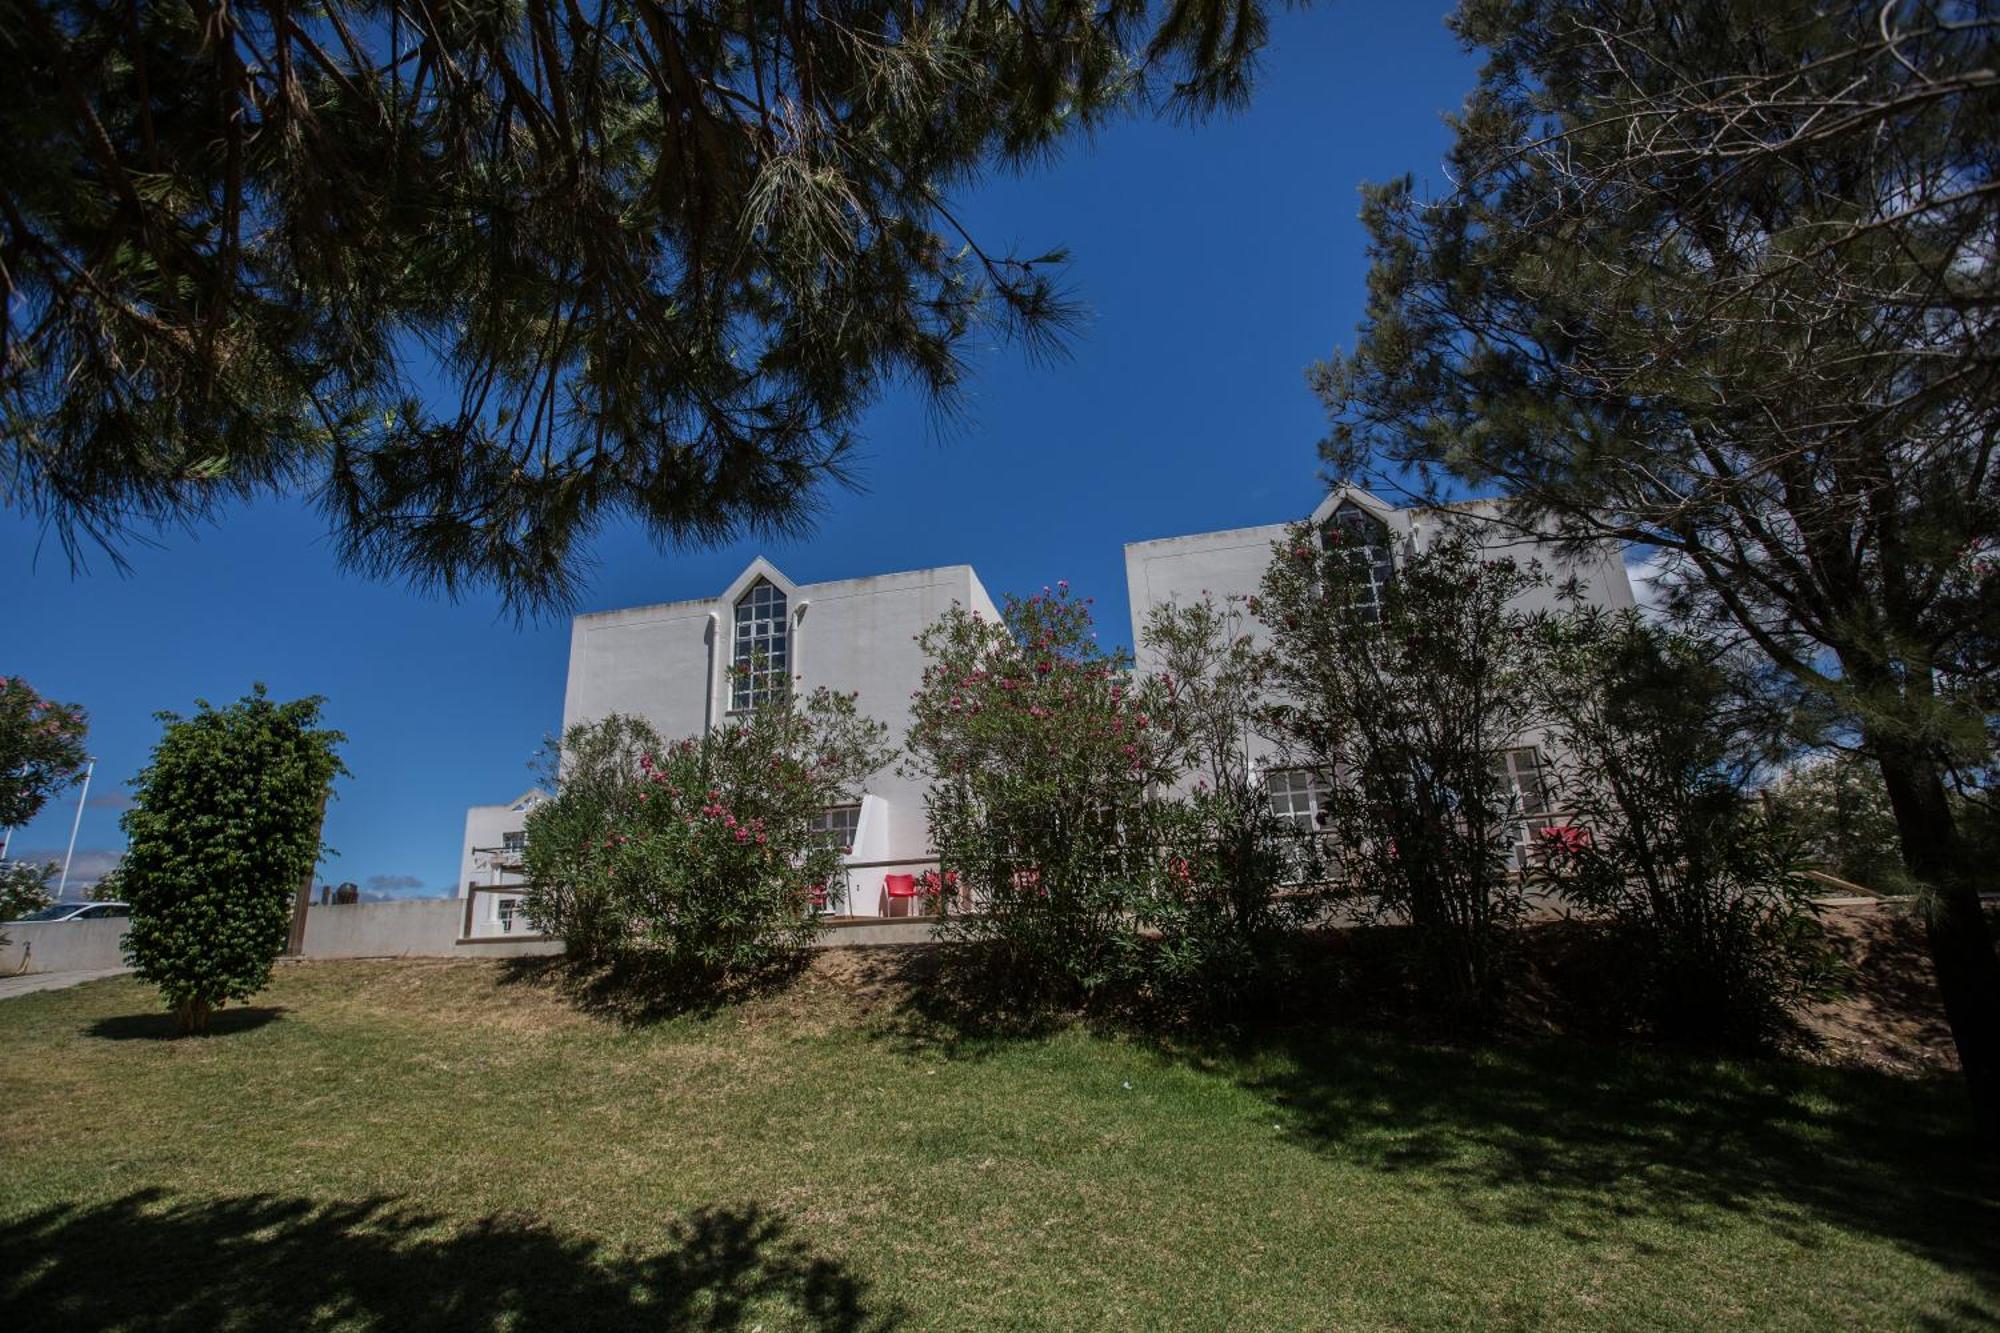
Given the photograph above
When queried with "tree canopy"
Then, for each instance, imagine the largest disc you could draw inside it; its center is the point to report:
(41, 749)
(225, 826)
(1717, 278)
(479, 277)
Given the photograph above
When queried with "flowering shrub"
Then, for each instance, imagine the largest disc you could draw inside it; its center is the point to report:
(24, 888)
(700, 856)
(1056, 806)
(41, 749)
(1038, 752)
(1237, 879)
(1409, 704)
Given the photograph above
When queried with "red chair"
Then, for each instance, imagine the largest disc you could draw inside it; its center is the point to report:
(903, 887)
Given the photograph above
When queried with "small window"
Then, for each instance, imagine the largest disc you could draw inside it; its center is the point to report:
(1295, 797)
(1524, 781)
(516, 841)
(509, 910)
(761, 657)
(837, 826)
(1361, 540)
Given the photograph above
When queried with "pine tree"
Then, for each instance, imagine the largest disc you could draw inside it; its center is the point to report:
(480, 277)
(1717, 279)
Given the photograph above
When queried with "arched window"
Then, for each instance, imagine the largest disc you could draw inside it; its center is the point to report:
(1363, 541)
(763, 654)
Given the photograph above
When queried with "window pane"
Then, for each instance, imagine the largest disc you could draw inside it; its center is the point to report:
(762, 655)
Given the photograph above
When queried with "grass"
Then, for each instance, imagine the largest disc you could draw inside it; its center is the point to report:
(430, 1145)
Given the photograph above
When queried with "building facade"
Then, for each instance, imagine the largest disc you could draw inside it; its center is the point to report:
(672, 665)
(1224, 565)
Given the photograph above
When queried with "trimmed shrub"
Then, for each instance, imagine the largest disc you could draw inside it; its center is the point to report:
(224, 827)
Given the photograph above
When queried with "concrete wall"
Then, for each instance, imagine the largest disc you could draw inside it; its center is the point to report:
(427, 928)
(418, 929)
(62, 946)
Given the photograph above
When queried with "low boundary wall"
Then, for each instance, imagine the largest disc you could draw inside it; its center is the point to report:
(422, 928)
(62, 946)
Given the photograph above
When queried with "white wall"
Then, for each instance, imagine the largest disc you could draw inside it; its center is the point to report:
(668, 664)
(1221, 565)
(421, 928)
(1228, 564)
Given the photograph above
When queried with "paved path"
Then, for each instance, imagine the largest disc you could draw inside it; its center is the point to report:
(30, 982)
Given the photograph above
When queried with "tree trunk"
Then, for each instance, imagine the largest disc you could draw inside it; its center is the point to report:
(1962, 953)
(193, 1017)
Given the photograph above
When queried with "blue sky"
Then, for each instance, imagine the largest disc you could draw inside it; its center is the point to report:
(1216, 262)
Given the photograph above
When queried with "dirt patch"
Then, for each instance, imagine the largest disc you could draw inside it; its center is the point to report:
(1892, 1018)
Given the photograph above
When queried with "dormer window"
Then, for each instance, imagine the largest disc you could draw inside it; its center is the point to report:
(1361, 540)
(762, 656)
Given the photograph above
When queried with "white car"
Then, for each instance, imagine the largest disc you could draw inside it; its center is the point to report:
(73, 912)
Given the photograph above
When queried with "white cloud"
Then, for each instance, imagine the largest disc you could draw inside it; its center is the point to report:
(88, 866)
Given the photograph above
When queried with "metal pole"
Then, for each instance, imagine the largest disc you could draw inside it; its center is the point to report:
(75, 824)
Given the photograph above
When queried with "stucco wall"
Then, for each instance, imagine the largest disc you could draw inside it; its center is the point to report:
(485, 828)
(1232, 564)
(62, 946)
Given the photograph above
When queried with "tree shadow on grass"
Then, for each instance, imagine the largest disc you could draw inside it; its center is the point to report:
(1576, 1138)
(639, 990)
(262, 1262)
(163, 1027)
(939, 1000)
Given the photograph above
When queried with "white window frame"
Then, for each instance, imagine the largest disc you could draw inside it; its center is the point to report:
(760, 655)
(1296, 797)
(1524, 773)
(838, 820)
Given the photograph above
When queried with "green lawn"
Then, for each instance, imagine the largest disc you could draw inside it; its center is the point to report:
(425, 1144)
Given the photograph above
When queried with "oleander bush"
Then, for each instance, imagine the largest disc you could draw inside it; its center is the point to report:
(1709, 915)
(1062, 799)
(697, 860)
(1402, 694)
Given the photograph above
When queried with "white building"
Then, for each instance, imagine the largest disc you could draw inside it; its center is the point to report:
(1222, 565)
(671, 664)
(490, 858)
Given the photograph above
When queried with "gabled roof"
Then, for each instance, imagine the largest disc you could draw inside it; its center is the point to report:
(1354, 495)
(760, 568)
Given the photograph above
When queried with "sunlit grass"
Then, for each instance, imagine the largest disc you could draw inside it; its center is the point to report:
(424, 1144)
